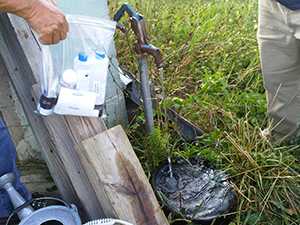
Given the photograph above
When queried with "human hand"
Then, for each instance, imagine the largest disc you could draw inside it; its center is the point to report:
(47, 20)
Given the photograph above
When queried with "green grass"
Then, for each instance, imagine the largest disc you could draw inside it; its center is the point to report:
(213, 77)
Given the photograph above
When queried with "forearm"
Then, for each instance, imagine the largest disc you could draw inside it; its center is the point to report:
(18, 7)
(43, 17)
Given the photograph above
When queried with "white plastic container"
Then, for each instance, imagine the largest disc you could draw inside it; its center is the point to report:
(69, 79)
(82, 66)
(92, 73)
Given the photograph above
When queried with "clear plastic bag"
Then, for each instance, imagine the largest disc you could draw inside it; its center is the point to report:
(75, 71)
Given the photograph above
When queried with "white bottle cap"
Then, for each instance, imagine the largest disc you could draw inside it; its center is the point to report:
(100, 54)
(69, 78)
(44, 112)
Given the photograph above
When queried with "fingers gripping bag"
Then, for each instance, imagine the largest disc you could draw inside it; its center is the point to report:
(75, 71)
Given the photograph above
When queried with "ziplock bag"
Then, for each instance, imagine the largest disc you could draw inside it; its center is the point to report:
(75, 71)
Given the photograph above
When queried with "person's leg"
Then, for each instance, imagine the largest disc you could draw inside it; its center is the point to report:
(8, 165)
(280, 59)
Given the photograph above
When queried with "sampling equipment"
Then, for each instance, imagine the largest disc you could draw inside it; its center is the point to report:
(45, 211)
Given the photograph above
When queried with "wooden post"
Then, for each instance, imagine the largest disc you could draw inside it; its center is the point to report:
(119, 179)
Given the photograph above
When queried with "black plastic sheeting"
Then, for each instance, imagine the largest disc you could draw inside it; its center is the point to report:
(196, 191)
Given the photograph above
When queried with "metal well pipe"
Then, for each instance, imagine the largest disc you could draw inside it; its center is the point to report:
(146, 93)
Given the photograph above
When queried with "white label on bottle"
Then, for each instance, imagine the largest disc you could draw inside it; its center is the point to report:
(83, 81)
(76, 102)
(97, 87)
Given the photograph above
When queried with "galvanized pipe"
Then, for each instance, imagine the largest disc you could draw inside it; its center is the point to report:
(146, 93)
(6, 183)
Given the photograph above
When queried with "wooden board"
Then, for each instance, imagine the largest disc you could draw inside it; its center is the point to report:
(13, 115)
(67, 132)
(119, 179)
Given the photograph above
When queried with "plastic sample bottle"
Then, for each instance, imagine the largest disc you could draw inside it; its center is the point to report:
(99, 76)
(82, 67)
(92, 71)
(69, 79)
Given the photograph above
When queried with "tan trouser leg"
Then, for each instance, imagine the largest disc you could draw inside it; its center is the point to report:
(279, 46)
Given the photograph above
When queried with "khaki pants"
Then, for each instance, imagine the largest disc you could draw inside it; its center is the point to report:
(279, 43)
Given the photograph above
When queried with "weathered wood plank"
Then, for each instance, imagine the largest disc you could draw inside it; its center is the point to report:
(67, 132)
(13, 115)
(35, 175)
(119, 179)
